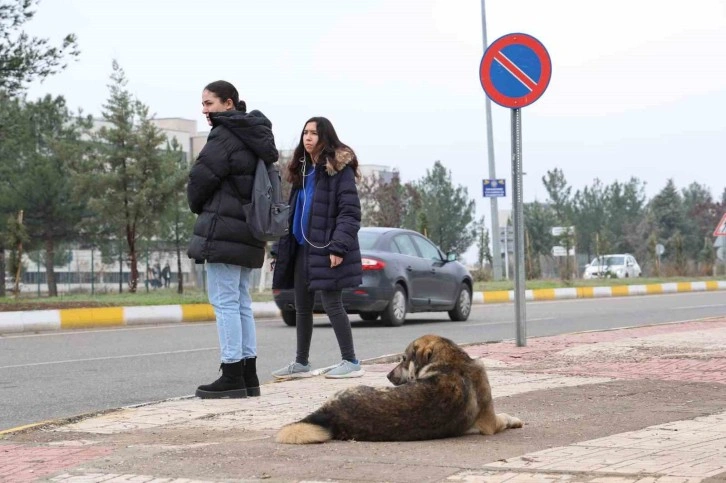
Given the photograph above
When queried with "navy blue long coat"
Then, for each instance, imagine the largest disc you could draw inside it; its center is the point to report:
(335, 218)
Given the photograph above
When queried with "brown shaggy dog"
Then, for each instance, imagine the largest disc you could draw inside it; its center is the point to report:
(439, 392)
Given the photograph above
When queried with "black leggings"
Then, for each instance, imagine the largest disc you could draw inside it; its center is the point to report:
(333, 305)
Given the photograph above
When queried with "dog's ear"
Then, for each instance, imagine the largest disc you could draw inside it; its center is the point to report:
(423, 355)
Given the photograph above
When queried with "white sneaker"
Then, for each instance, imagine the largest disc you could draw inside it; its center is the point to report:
(293, 370)
(345, 370)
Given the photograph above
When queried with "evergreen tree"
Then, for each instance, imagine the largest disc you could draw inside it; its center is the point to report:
(449, 211)
(129, 180)
(625, 206)
(676, 244)
(538, 222)
(15, 236)
(589, 216)
(178, 222)
(39, 180)
(560, 197)
(14, 137)
(559, 192)
(24, 58)
(701, 216)
(667, 210)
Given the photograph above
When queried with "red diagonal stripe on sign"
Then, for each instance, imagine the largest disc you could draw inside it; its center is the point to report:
(518, 73)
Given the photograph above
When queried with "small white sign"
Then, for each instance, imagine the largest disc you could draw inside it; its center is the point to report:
(558, 251)
(659, 249)
(560, 230)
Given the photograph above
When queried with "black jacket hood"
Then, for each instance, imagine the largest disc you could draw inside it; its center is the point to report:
(252, 128)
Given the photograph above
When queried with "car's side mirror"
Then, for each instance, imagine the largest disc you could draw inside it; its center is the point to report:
(451, 257)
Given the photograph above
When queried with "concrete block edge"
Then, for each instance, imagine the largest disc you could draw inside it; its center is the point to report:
(85, 318)
(500, 296)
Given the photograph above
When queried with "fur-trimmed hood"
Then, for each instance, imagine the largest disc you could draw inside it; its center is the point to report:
(343, 157)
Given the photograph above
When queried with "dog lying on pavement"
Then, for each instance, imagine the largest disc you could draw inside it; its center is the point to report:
(439, 392)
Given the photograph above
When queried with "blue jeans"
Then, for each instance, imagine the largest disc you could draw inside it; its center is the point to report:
(228, 287)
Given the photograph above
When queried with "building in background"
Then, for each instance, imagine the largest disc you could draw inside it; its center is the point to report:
(183, 130)
(385, 173)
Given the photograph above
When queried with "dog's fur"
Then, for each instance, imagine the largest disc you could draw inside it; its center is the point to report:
(439, 392)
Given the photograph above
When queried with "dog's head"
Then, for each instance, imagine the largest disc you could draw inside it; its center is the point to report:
(418, 358)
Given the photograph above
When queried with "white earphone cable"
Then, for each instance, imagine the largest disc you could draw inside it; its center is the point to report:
(302, 227)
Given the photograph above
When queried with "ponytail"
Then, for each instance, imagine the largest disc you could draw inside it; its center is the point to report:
(224, 90)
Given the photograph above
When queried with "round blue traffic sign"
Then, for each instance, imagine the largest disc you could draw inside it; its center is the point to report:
(515, 70)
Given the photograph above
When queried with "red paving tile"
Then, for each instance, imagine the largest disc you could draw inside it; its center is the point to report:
(541, 355)
(710, 370)
(19, 463)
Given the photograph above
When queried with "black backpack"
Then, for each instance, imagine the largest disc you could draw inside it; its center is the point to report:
(267, 215)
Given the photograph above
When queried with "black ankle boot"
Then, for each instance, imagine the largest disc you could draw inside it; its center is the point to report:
(230, 385)
(249, 372)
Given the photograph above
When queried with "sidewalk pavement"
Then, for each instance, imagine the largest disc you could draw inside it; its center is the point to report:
(645, 405)
(41, 320)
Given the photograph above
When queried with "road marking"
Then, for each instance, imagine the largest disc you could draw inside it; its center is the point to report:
(489, 323)
(686, 307)
(57, 333)
(505, 322)
(91, 359)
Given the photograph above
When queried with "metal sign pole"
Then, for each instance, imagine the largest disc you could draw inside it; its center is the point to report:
(514, 72)
(493, 203)
(517, 202)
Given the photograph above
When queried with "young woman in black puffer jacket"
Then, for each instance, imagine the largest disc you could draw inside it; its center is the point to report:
(220, 184)
(321, 252)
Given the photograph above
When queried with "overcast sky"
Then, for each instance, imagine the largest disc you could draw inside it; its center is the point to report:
(638, 87)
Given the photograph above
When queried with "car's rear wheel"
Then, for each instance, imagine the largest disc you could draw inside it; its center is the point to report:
(395, 313)
(462, 309)
(289, 316)
(368, 315)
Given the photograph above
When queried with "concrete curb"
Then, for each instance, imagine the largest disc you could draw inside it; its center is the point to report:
(37, 320)
(595, 292)
(84, 318)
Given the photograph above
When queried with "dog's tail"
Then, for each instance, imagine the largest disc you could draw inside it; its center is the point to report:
(303, 433)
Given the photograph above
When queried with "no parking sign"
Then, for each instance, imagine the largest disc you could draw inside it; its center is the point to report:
(515, 70)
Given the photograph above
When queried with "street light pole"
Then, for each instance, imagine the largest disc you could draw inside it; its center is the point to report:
(496, 255)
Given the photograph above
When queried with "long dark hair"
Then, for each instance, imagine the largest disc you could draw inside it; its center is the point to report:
(225, 90)
(329, 143)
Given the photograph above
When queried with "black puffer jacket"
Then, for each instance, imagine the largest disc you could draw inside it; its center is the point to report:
(335, 219)
(220, 183)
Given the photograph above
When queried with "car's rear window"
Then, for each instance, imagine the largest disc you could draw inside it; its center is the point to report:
(608, 261)
(367, 239)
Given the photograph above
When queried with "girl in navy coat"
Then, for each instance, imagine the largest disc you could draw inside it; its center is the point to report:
(321, 252)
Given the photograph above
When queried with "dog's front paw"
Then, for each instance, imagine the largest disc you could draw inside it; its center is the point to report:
(513, 422)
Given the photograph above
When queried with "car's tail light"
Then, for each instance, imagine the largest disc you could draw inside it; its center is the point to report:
(276, 291)
(372, 264)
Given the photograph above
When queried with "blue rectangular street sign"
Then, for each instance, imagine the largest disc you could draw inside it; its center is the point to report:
(494, 188)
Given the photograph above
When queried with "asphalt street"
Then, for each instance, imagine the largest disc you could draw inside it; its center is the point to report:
(63, 374)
